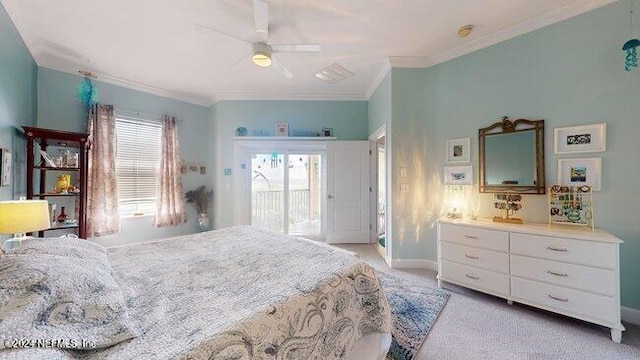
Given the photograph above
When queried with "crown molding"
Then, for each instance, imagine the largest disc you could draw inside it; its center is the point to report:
(563, 13)
(72, 69)
(288, 96)
(377, 80)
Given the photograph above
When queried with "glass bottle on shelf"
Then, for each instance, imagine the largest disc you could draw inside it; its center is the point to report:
(65, 158)
(62, 217)
(73, 160)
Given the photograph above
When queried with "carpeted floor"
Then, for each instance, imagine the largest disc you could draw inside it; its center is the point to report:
(414, 309)
(478, 326)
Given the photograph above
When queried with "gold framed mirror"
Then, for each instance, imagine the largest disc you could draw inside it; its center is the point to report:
(512, 157)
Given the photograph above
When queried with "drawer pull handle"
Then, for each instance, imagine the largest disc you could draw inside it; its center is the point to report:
(470, 237)
(558, 298)
(557, 249)
(472, 277)
(471, 257)
(556, 273)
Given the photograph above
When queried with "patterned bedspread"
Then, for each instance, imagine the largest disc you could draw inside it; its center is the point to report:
(242, 293)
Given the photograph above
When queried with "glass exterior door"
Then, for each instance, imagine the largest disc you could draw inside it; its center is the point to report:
(267, 190)
(305, 194)
(286, 192)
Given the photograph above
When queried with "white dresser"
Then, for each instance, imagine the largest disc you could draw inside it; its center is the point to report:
(571, 271)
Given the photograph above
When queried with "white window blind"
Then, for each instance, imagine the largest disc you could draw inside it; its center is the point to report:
(137, 165)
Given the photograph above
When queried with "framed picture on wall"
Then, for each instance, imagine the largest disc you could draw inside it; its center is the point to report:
(282, 129)
(579, 172)
(459, 150)
(580, 139)
(5, 172)
(458, 175)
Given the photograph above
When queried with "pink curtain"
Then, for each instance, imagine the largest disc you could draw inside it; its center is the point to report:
(170, 204)
(102, 190)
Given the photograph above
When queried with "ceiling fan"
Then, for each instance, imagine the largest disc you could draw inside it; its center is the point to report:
(262, 51)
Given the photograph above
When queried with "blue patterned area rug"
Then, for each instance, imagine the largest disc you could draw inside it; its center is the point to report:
(414, 309)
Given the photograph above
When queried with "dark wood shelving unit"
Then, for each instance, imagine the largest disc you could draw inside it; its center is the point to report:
(41, 139)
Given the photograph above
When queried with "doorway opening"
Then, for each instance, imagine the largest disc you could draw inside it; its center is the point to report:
(380, 206)
(381, 195)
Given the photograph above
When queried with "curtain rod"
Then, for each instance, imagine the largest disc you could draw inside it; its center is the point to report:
(144, 116)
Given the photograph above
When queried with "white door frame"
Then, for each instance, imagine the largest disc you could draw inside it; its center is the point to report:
(373, 139)
(242, 150)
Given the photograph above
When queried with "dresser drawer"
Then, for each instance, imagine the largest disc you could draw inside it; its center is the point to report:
(476, 237)
(589, 253)
(482, 258)
(579, 277)
(480, 279)
(569, 301)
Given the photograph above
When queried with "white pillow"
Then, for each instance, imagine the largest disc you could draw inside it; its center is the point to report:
(63, 246)
(72, 299)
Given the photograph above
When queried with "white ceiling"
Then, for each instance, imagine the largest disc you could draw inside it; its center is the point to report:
(155, 46)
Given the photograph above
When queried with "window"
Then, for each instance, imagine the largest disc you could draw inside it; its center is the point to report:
(137, 165)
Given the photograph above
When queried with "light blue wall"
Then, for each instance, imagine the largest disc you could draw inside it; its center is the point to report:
(379, 105)
(347, 118)
(59, 108)
(570, 73)
(412, 148)
(17, 101)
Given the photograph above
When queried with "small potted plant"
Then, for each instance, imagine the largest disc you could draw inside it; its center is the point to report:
(202, 200)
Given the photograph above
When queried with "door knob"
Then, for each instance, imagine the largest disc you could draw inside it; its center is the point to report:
(330, 197)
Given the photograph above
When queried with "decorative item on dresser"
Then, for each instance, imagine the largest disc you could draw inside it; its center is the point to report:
(571, 205)
(38, 142)
(569, 271)
(510, 203)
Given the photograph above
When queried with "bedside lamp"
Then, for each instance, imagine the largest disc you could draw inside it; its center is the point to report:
(21, 216)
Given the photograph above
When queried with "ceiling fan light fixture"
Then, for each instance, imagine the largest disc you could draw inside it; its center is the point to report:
(262, 55)
(261, 59)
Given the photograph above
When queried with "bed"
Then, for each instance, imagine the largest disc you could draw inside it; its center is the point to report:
(234, 293)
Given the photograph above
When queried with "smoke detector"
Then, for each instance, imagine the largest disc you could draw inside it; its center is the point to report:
(465, 31)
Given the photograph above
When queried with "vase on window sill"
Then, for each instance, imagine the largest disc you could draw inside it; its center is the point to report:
(203, 222)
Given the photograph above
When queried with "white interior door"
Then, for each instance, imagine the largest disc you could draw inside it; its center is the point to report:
(348, 192)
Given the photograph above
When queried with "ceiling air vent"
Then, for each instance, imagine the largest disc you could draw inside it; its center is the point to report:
(333, 73)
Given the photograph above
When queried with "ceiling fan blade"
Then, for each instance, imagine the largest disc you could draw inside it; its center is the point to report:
(245, 59)
(261, 17)
(279, 66)
(209, 28)
(295, 47)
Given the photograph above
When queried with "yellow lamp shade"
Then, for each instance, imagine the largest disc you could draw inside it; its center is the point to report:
(21, 216)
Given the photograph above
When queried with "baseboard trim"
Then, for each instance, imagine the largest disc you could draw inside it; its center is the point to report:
(630, 315)
(414, 264)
